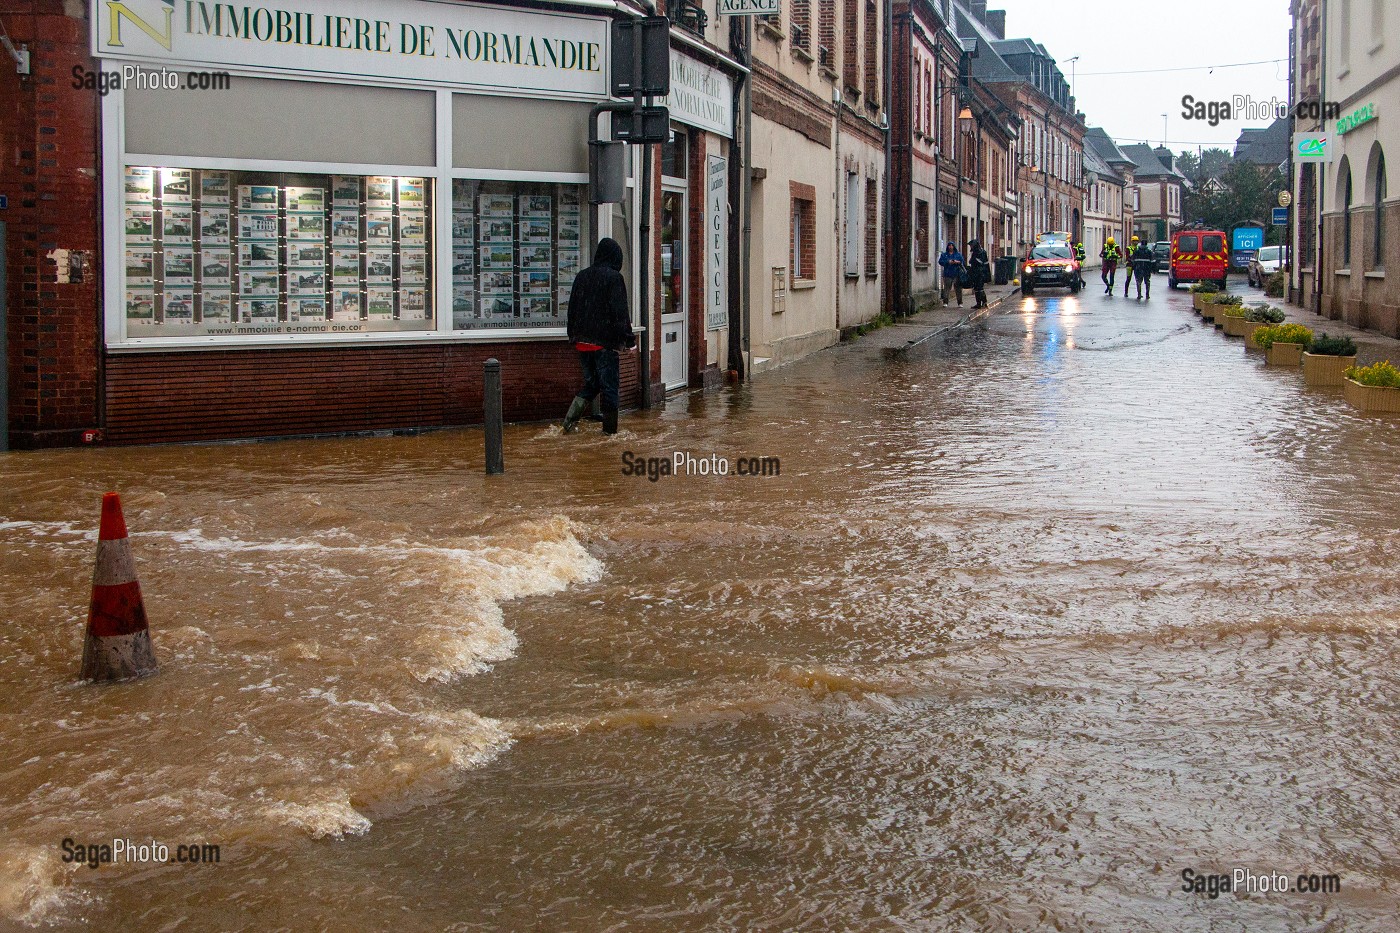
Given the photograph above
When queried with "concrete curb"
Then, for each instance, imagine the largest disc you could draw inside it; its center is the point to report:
(978, 315)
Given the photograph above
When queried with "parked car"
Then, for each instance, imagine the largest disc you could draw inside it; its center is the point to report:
(1162, 250)
(1050, 263)
(1199, 255)
(1266, 262)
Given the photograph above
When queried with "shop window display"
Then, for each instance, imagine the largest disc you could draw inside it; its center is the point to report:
(211, 253)
(516, 248)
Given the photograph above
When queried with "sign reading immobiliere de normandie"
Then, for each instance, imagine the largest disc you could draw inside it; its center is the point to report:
(468, 45)
(749, 7)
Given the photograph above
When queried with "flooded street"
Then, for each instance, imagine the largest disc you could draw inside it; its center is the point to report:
(1030, 622)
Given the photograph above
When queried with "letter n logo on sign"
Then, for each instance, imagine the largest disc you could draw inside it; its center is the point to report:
(116, 10)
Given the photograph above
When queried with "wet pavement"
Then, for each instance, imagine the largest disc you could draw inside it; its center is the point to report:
(1031, 621)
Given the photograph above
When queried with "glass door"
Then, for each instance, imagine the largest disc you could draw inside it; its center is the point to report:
(674, 338)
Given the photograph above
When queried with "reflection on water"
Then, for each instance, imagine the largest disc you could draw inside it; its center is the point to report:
(1030, 622)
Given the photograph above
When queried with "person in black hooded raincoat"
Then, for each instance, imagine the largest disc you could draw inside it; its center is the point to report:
(600, 325)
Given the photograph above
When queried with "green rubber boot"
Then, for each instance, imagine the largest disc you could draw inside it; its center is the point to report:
(576, 411)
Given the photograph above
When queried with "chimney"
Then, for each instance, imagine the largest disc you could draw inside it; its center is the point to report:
(978, 9)
(996, 23)
(1164, 155)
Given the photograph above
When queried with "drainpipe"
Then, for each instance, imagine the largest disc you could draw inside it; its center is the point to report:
(1321, 166)
(836, 223)
(745, 244)
(739, 164)
(888, 11)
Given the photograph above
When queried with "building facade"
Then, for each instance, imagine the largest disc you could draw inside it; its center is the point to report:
(818, 177)
(1159, 191)
(1049, 148)
(245, 222)
(1111, 197)
(1359, 237)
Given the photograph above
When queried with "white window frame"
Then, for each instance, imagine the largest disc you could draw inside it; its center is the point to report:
(855, 219)
(115, 158)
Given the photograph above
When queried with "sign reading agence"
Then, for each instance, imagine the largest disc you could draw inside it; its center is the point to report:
(749, 7)
(453, 44)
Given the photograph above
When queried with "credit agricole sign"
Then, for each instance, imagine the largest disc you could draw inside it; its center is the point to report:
(418, 40)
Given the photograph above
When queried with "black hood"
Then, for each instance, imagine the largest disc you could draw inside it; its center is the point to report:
(608, 254)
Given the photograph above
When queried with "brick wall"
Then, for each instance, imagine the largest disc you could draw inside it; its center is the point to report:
(49, 171)
(804, 197)
(163, 397)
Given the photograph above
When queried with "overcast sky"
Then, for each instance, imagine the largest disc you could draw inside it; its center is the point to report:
(1131, 35)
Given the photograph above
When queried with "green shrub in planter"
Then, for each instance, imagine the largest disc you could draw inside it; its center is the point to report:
(1204, 287)
(1275, 285)
(1324, 345)
(1220, 298)
(1266, 337)
(1377, 374)
(1266, 314)
(1230, 310)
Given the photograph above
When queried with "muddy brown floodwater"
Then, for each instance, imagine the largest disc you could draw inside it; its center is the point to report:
(1028, 624)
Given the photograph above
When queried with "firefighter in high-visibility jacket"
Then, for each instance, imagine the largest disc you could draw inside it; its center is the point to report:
(1128, 264)
(1079, 254)
(1110, 256)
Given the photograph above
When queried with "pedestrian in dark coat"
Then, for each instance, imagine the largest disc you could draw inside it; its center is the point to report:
(979, 269)
(600, 325)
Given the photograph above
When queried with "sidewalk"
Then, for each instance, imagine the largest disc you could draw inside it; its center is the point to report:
(927, 326)
(1371, 347)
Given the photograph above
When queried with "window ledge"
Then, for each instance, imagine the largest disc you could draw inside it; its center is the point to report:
(771, 31)
(1376, 274)
(802, 55)
(1346, 272)
(830, 75)
(922, 265)
(802, 285)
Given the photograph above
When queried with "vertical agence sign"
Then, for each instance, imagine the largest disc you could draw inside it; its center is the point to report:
(717, 243)
(467, 45)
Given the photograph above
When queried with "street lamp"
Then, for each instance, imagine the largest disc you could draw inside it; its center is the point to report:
(970, 124)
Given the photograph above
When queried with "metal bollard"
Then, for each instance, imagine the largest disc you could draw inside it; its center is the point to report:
(493, 409)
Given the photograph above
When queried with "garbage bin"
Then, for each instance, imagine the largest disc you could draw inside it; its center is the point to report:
(1005, 270)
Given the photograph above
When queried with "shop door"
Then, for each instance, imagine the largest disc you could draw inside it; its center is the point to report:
(674, 337)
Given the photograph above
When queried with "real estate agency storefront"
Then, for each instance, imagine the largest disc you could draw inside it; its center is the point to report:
(384, 195)
(695, 220)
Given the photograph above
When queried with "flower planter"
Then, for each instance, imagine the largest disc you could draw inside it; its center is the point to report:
(1371, 398)
(1208, 310)
(1284, 354)
(1320, 370)
(1198, 300)
(1239, 326)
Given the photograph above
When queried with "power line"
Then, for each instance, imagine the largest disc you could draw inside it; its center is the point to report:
(1153, 71)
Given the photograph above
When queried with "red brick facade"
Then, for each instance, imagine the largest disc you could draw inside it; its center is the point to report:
(50, 175)
(161, 397)
(63, 382)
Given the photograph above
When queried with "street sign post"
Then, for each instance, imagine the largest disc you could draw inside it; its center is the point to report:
(649, 37)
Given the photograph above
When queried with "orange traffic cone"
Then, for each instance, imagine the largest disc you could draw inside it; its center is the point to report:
(118, 643)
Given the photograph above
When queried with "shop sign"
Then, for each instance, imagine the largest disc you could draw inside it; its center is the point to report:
(749, 7)
(467, 45)
(701, 96)
(717, 243)
(1312, 147)
(1358, 117)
